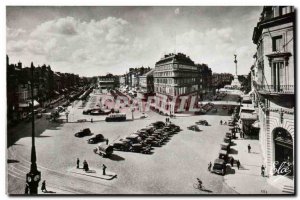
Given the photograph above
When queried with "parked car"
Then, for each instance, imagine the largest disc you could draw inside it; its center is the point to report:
(223, 155)
(174, 127)
(194, 128)
(97, 138)
(104, 150)
(139, 148)
(116, 117)
(158, 124)
(121, 145)
(202, 122)
(219, 167)
(82, 133)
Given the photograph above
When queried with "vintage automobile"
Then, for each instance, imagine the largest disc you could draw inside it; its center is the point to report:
(97, 138)
(104, 150)
(223, 155)
(225, 146)
(152, 141)
(121, 145)
(82, 133)
(174, 127)
(194, 128)
(202, 122)
(228, 134)
(116, 117)
(142, 134)
(227, 140)
(140, 148)
(214, 110)
(158, 124)
(219, 167)
(100, 112)
(134, 138)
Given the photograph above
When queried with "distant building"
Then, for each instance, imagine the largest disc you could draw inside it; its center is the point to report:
(132, 77)
(273, 83)
(146, 85)
(205, 79)
(219, 80)
(108, 82)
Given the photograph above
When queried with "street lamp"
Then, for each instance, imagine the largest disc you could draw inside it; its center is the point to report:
(34, 176)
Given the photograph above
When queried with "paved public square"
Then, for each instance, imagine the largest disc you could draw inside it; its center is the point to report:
(169, 169)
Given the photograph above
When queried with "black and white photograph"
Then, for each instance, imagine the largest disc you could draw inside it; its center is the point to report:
(150, 100)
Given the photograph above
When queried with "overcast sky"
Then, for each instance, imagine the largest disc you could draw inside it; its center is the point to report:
(93, 41)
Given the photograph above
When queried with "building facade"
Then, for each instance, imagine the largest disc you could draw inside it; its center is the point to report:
(175, 75)
(146, 83)
(48, 86)
(108, 82)
(272, 78)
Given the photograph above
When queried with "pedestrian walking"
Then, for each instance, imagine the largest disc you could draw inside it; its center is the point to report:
(91, 120)
(43, 188)
(103, 169)
(26, 188)
(221, 122)
(238, 164)
(106, 141)
(263, 171)
(77, 163)
(249, 148)
(231, 162)
(209, 166)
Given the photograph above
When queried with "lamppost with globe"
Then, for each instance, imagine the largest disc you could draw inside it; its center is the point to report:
(34, 176)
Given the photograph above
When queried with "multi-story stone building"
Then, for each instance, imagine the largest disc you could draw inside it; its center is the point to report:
(273, 80)
(175, 75)
(146, 83)
(205, 80)
(108, 82)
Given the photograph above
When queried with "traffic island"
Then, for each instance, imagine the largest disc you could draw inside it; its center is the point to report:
(93, 173)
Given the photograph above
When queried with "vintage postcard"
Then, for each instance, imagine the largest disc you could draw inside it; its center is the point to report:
(150, 100)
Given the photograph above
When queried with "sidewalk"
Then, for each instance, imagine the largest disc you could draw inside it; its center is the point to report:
(93, 173)
(248, 179)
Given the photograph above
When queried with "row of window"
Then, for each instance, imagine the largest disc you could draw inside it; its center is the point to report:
(177, 81)
(175, 91)
(175, 66)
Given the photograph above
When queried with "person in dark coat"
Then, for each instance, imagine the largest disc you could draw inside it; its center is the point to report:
(221, 122)
(106, 141)
(103, 169)
(231, 162)
(209, 166)
(77, 163)
(43, 188)
(85, 166)
(238, 164)
(249, 148)
(263, 171)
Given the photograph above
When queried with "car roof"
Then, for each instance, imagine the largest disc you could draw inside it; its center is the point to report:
(219, 161)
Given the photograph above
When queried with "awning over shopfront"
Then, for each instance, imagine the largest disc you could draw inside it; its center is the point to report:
(26, 104)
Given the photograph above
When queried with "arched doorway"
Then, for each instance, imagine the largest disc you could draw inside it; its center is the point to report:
(283, 143)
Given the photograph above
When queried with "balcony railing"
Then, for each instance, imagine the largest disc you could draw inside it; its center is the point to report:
(275, 89)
